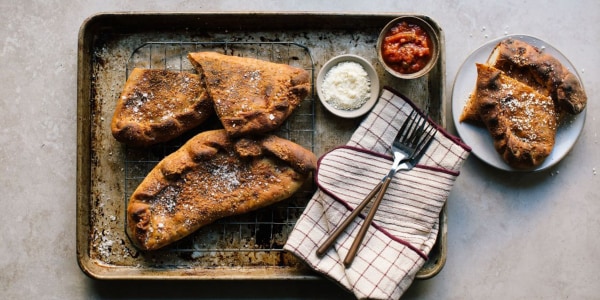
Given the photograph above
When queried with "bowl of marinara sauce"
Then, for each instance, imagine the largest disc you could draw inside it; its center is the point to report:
(408, 47)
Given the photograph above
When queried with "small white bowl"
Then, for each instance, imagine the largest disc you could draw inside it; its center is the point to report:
(373, 77)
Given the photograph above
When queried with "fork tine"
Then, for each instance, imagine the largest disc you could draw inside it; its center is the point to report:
(423, 144)
(405, 129)
(416, 118)
(409, 127)
(418, 133)
(416, 129)
(423, 134)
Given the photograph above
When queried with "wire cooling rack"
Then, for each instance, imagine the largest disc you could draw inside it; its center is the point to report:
(246, 239)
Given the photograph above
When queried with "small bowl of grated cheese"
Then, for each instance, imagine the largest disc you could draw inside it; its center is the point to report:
(348, 86)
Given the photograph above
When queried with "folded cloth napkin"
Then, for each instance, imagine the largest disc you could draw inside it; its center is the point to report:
(407, 222)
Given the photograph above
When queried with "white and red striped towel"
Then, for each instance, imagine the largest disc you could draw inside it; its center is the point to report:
(407, 222)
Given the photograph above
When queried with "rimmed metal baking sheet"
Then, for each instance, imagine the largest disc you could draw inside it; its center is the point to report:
(242, 247)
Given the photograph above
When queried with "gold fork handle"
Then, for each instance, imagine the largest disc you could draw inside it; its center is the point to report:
(338, 231)
(365, 227)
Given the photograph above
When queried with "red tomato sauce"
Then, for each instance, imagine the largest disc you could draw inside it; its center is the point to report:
(406, 48)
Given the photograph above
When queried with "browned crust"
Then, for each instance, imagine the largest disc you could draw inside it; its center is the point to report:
(159, 105)
(211, 177)
(470, 111)
(250, 95)
(537, 69)
(540, 70)
(522, 121)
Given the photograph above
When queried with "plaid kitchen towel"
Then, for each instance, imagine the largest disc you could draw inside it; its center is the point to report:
(406, 224)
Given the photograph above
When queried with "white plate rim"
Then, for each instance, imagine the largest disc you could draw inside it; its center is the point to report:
(478, 137)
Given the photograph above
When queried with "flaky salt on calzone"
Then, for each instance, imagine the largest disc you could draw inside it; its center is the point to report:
(251, 95)
(541, 71)
(159, 105)
(521, 121)
(210, 177)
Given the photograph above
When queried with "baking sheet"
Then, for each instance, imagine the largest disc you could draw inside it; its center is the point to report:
(242, 247)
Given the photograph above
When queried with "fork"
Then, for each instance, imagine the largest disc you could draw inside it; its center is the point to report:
(408, 146)
(404, 164)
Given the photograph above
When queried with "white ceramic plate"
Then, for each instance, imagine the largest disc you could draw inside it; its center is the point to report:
(374, 86)
(479, 138)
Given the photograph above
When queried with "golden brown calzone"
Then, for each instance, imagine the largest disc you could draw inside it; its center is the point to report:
(522, 122)
(159, 105)
(250, 95)
(210, 177)
(541, 71)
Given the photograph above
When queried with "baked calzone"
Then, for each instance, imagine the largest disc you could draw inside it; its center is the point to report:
(159, 105)
(210, 177)
(522, 122)
(250, 95)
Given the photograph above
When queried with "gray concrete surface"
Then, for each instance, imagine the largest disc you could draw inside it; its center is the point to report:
(516, 236)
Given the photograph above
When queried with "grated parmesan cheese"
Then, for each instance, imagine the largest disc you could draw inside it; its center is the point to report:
(346, 86)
